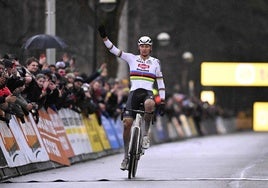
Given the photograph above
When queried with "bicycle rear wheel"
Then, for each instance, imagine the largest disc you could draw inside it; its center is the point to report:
(133, 158)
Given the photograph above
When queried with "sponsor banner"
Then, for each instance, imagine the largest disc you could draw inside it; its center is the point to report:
(172, 133)
(69, 129)
(192, 126)
(59, 127)
(82, 132)
(101, 132)
(3, 161)
(185, 125)
(76, 131)
(93, 136)
(13, 154)
(118, 126)
(28, 139)
(260, 112)
(178, 127)
(108, 126)
(50, 138)
(234, 74)
(161, 133)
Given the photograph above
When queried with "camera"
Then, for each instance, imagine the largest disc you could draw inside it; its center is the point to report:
(85, 89)
(35, 107)
(34, 112)
(21, 71)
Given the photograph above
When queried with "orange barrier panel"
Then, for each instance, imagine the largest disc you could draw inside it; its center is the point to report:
(59, 127)
(51, 139)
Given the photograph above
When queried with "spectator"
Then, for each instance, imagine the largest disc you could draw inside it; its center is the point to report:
(78, 93)
(7, 100)
(98, 96)
(43, 62)
(52, 96)
(52, 68)
(66, 59)
(72, 66)
(88, 106)
(174, 111)
(197, 115)
(89, 79)
(112, 99)
(38, 95)
(13, 58)
(32, 66)
(69, 80)
(61, 71)
(16, 85)
(73, 95)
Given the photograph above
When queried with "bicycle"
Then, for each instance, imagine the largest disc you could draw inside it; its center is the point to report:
(135, 150)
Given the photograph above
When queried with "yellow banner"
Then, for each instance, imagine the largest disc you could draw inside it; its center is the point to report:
(92, 135)
(234, 74)
(260, 114)
(101, 132)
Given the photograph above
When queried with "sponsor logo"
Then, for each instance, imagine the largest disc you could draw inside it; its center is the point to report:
(143, 66)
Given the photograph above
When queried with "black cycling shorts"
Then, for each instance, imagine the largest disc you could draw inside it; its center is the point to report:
(136, 100)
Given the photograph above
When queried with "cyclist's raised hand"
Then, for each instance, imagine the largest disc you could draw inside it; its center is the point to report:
(102, 31)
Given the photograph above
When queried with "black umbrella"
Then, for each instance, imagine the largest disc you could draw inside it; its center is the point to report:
(44, 41)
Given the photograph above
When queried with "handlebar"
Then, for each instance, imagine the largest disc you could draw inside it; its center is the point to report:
(136, 111)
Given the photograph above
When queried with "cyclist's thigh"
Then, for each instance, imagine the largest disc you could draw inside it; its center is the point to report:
(149, 102)
(128, 113)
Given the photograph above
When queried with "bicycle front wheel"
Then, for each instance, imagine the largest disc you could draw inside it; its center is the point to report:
(133, 154)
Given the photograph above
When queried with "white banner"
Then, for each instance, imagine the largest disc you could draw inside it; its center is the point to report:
(29, 139)
(14, 155)
(76, 131)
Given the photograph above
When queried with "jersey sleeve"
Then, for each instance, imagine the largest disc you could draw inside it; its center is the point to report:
(160, 82)
(117, 52)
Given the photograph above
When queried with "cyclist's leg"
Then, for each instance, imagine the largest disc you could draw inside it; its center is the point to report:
(127, 122)
(149, 106)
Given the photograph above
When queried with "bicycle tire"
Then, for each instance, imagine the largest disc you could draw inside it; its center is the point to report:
(133, 162)
(137, 156)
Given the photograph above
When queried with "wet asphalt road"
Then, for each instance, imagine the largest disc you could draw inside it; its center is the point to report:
(237, 160)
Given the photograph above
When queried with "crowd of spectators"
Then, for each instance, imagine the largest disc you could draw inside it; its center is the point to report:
(180, 104)
(25, 88)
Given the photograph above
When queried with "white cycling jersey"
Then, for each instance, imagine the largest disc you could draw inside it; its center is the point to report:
(143, 73)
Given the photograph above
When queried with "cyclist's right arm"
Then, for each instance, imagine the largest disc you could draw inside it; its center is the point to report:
(113, 49)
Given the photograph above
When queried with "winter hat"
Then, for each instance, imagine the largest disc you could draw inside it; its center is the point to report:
(60, 64)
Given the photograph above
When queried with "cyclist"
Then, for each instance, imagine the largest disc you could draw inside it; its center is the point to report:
(144, 71)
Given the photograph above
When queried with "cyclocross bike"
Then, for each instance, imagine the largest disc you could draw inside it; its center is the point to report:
(135, 150)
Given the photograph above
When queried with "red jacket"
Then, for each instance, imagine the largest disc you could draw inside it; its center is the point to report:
(5, 92)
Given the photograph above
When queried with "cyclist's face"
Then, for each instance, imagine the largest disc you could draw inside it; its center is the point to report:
(145, 49)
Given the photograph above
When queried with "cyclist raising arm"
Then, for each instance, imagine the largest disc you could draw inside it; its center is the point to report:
(144, 71)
